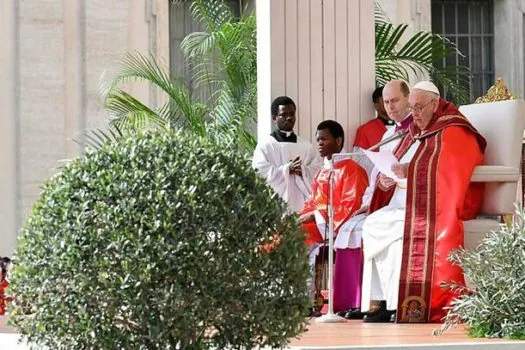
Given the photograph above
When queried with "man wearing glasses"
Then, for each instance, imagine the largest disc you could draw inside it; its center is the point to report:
(416, 221)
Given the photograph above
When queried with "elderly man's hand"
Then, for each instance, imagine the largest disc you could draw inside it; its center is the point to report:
(401, 170)
(385, 181)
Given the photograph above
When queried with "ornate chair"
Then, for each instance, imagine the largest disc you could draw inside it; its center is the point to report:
(502, 124)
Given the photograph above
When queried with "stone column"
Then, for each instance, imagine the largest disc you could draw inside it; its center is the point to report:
(9, 133)
(509, 44)
(74, 75)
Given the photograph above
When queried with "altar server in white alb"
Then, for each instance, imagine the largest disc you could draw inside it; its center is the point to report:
(287, 162)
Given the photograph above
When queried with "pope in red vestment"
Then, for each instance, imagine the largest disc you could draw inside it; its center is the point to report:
(439, 196)
(350, 183)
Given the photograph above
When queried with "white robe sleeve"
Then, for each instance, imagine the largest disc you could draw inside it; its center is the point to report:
(274, 166)
(367, 196)
(277, 176)
(311, 164)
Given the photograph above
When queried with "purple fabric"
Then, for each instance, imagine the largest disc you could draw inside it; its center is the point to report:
(404, 124)
(348, 274)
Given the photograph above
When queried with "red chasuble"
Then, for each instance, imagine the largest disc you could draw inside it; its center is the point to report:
(439, 197)
(369, 133)
(350, 183)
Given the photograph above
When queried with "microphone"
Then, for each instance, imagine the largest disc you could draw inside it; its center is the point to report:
(395, 136)
(398, 134)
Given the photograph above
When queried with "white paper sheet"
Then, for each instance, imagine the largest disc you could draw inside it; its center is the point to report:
(383, 161)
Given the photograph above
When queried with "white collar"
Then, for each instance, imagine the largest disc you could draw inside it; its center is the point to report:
(327, 163)
(287, 133)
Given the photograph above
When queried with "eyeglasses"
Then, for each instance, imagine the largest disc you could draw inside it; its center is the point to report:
(418, 109)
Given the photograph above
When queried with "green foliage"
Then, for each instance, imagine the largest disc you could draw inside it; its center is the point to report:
(418, 55)
(223, 60)
(154, 242)
(224, 63)
(495, 308)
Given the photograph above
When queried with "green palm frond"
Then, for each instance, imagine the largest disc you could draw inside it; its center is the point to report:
(198, 44)
(213, 13)
(135, 67)
(379, 14)
(222, 60)
(418, 56)
(226, 64)
(127, 109)
(231, 124)
(456, 82)
(129, 113)
(95, 139)
(387, 38)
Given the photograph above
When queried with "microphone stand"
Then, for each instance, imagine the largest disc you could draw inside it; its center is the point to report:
(330, 317)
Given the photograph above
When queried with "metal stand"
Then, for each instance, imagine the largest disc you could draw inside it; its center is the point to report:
(330, 317)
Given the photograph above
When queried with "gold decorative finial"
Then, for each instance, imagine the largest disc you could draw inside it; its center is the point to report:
(497, 92)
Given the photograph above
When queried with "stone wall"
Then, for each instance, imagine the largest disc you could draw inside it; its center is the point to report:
(52, 57)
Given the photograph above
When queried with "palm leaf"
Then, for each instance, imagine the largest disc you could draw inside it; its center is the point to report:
(455, 80)
(137, 67)
(95, 139)
(379, 14)
(129, 113)
(390, 36)
(419, 56)
(198, 44)
(221, 58)
(213, 13)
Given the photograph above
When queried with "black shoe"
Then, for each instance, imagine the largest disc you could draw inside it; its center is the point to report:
(341, 313)
(354, 314)
(382, 316)
(313, 312)
(393, 317)
(382, 307)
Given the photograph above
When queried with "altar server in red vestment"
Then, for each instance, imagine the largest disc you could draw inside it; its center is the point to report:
(416, 220)
(371, 132)
(350, 183)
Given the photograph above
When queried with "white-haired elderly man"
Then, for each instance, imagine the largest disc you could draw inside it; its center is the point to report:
(416, 219)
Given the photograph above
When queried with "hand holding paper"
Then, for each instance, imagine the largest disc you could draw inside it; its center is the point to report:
(401, 170)
(383, 161)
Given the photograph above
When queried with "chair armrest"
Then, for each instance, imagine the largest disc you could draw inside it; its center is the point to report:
(495, 173)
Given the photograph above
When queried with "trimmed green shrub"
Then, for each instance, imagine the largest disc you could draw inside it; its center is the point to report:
(154, 242)
(495, 307)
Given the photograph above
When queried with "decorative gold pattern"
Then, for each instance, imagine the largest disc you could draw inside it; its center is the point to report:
(497, 92)
(414, 310)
